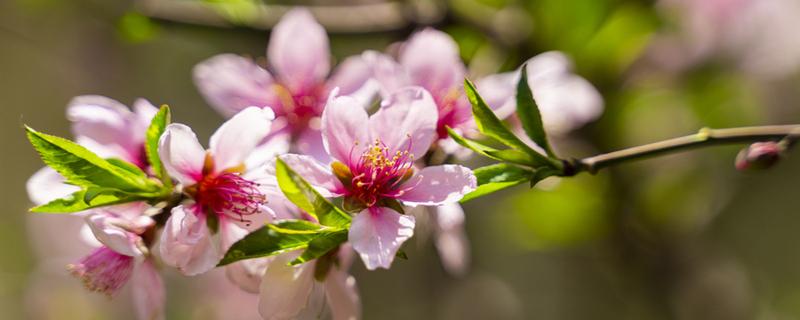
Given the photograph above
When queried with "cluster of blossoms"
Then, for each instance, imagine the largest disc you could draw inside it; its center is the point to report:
(293, 114)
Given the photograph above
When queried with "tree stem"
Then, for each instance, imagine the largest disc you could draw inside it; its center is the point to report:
(704, 137)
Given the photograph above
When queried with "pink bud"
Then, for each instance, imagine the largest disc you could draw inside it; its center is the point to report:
(759, 155)
(103, 270)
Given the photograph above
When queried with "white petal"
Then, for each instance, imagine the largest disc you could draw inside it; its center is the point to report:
(406, 121)
(231, 83)
(46, 185)
(186, 243)
(377, 233)
(236, 139)
(149, 295)
(287, 290)
(181, 153)
(344, 129)
(439, 184)
(342, 294)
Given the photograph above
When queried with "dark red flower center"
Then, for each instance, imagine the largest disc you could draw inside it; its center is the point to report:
(228, 194)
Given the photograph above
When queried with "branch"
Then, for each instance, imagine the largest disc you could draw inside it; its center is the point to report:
(704, 137)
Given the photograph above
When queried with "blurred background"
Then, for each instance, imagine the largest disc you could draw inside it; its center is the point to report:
(680, 237)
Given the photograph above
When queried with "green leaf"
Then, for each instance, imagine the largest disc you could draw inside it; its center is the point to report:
(529, 115)
(273, 239)
(401, 254)
(321, 245)
(303, 195)
(81, 200)
(497, 177)
(127, 166)
(508, 155)
(83, 168)
(154, 132)
(492, 127)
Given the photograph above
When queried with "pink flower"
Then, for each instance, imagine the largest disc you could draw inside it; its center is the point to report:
(220, 185)
(565, 100)
(123, 257)
(429, 59)
(374, 166)
(107, 128)
(296, 85)
(295, 292)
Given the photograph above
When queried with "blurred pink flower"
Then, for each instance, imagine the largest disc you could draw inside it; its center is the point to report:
(374, 166)
(566, 100)
(296, 85)
(296, 292)
(760, 36)
(219, 183)
(123, 257)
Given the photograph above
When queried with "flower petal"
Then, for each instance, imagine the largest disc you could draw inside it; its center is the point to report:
(310, 142)
(46, 185)
(104, 126)
(113, 236)
(314, 173)
(439, 184)
(433, 61)
(498, 91)
(246, 274)
(149, 295)
(407, 116)
(299, 50)
(377, 233)
(287, 290)
(230, 83)
(342, 294)
(236, 139)
(186, 242)
(182, 154)
(451, 240)
(344, 132)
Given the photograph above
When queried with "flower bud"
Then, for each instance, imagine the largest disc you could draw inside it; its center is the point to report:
(759, 155)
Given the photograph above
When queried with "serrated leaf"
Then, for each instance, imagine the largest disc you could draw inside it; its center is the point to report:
(321, 245)
(303, 195)
(497, 177)
(154, 132)
(83, 168)
(273, 239)
(492, 127)
(77, 202)
(529, 115)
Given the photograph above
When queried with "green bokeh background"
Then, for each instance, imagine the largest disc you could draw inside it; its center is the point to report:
(680, 237)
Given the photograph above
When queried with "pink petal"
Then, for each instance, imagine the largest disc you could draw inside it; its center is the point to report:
(386, 71)
(451, 240)
(407, 116)
(236, 139)
(287, 290)
(310, 142)
(344, 129)
(377, 233)
(439, 184)
(231, 83)
(145, 111)
(149, 295)
(104, 126)
(350, 75)
(314, 173)
(246, 274)
(181, 153)
(342, 294)
(46, 185)
(299, 50)
(113, 236)
(499, 90)
(186, 242)
(433, 61)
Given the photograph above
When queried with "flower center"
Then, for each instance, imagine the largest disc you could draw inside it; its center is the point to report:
(300, 108)
(104, 270)
(228, 194)
(446, 105)
(379, 174)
